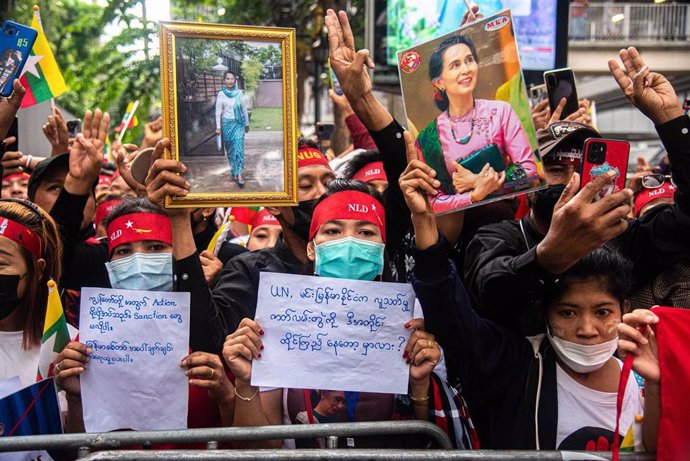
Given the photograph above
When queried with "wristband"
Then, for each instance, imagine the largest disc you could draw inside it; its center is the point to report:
(28, 161)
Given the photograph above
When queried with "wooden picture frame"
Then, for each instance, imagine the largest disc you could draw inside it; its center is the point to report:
(198, 90)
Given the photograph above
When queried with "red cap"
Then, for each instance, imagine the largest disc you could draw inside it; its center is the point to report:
(349, 204)
(103, 210)
(22, 235)
(137, 227)
(243, 214)
(371, 172)
(311, 156)
(264, 218)
(667, 190)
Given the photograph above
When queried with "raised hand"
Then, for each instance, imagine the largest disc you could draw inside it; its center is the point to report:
(417, 181)
(649, 91)
(422, 352)
(211, 265)
(350, 66)
(86, 154)
(541, 114)
(580, 226)
(9, 107)
(163, 180)
(341, 102)
(55, 130)
(241, 348)
(123, 159)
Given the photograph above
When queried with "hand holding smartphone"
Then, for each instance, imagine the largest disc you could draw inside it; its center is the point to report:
(560, 83)
(601, 156)
(16, 41)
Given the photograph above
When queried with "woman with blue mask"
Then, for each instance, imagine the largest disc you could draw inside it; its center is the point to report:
(346, 240)
(140, 243)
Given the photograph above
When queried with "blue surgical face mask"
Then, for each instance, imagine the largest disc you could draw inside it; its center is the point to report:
(349, 258)
(141, 271)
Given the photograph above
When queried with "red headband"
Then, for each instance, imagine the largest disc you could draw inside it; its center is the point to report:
(104, 209)
(104, 179)
(667, 190)
(264, 218)
(16, 176)
(349, 204)
(310, 156)
(22, 235)
(371, 172)
(137, 227)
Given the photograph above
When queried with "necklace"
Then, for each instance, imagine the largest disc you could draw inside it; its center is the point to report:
(465, 139)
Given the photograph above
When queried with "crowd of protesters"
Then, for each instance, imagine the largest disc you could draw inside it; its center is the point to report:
(529, 305)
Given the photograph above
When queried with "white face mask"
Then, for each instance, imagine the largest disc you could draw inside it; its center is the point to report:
(582, 358)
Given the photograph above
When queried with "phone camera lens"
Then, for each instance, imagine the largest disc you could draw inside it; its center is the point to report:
(551, 80)
(597, 153)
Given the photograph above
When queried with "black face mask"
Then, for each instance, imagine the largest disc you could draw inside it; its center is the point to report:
(8, 294)
(545, 200)
(303, 213)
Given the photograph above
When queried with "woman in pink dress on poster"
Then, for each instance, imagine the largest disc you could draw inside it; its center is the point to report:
(475, 145)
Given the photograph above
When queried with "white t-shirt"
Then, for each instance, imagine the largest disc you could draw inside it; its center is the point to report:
(15, 361)
(585, 414)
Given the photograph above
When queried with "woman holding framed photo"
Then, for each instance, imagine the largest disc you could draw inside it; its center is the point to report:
(232, 123)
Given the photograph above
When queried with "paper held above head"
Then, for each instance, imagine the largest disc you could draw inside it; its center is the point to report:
(336, 334)
(134, 380)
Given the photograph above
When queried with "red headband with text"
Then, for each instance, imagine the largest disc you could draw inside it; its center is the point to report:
(13, 176)
(371, 172)
(22, 235)
(667, 190)
(311, 156)
(137, 227)
(349, 205)
(104, 209)
(264, 218)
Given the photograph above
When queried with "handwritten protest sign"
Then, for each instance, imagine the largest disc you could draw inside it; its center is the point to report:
(134, 380)
(326, 333)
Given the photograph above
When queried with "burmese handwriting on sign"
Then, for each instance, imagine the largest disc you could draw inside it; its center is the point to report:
(138, 339)
(325, 333)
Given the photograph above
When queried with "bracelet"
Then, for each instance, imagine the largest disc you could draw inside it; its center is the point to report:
(246, 399)
(28, 161)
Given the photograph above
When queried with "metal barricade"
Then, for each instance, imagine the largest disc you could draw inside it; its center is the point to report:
(360, 455)
(114, 440)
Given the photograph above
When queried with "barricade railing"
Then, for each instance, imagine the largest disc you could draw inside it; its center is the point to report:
(84, 442)
(360, 455)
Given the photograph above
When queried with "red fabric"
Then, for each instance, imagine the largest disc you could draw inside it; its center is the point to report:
(371, 172)
(104, 179)
(622, 385)
(22, 235)
(243, 214)
(349, 205)
(311, 156)
(104, 209)
(16, 176)
(667, 190)
(672, 333)
(523, 208)
(137, 227)
(361, 139)
(264, 218)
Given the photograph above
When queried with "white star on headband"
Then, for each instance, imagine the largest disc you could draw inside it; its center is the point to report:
(129, 224)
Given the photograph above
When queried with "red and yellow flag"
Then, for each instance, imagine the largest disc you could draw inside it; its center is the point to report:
(41, 76)
(56, 333)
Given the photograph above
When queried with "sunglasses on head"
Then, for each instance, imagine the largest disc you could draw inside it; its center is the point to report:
(654, 181)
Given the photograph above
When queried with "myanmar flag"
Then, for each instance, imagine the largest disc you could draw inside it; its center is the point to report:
(41, 76)
(129, 120)
(56, 334)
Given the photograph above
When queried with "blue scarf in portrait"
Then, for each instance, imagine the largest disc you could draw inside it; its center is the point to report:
(239, 116)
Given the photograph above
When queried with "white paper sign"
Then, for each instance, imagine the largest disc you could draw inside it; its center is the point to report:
(134, 380)
(336, 334)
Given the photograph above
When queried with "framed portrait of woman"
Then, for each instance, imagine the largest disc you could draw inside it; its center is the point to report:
(229, 109)
(466, 104)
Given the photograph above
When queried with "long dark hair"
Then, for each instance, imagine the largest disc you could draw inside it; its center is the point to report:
(35, 299)
(436, 63)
